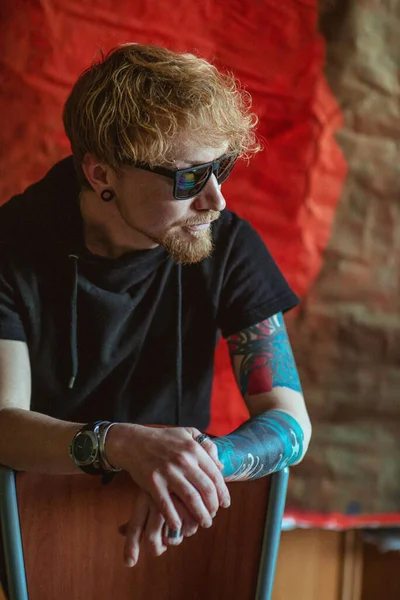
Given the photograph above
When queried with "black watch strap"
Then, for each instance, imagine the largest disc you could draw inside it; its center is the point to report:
(92, 469)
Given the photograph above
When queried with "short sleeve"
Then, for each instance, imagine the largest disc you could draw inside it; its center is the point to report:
(11, 327)
(253, 288)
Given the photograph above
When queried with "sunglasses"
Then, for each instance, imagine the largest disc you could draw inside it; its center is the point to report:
(189, 182)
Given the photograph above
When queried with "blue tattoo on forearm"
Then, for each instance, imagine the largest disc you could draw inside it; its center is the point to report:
(264, 444)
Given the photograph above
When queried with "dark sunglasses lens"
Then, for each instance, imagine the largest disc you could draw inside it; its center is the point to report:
(225, 168)
(191, 182)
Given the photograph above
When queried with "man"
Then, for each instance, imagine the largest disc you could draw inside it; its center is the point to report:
(118, 272)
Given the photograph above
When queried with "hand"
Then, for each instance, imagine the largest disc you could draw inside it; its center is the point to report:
(165, 461)
(147, 528)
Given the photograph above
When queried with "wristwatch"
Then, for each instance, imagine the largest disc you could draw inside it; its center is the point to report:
(85, 448)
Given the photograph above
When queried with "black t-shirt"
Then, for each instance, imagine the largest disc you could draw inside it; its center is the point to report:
(129, 314)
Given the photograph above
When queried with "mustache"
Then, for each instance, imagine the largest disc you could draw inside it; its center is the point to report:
(202, 220)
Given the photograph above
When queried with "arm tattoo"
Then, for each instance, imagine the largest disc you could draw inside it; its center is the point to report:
(267, 358)
(262, 359)
(264, 444)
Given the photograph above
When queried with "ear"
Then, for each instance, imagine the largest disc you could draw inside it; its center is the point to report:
(96, 172)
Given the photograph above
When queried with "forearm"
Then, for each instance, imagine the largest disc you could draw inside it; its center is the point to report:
(265, 443)
(33, 442)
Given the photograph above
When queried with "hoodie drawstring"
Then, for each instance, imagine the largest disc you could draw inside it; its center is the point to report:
(74, 323)
(178, 415)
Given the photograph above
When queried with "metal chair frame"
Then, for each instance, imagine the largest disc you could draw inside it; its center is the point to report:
(14, 556)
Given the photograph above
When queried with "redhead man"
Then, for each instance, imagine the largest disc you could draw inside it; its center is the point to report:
(119, 271)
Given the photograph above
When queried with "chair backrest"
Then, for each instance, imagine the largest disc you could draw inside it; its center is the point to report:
(73, 550)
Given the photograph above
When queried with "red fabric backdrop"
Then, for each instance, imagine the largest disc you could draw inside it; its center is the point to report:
(289, 192)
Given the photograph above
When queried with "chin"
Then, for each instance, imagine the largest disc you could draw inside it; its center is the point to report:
(189, 248)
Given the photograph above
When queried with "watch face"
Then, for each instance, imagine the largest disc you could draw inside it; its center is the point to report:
(84, 447)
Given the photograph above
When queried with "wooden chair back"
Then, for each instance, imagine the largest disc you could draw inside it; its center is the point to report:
(73, 550)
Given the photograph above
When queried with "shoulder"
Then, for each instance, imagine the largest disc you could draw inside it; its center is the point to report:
(229, 223)
(38, 216)
(230, 230)
(236, 239)
(249, 286)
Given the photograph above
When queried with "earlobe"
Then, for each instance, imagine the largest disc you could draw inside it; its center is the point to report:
(107, 195)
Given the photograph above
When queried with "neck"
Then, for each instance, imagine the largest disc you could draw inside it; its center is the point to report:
(105, 231)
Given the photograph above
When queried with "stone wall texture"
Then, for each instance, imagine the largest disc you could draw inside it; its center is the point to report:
(346, 336)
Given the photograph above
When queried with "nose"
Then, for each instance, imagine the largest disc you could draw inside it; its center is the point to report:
(211, 197)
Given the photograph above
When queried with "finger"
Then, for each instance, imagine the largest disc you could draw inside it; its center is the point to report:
(193, 432)
(189, 524)
(152, 536)
(135, 529)
(212, 451)
(191, 497)
(209, 448)
(170, 537)
(207, 489)
(213, 472)
(162, 499)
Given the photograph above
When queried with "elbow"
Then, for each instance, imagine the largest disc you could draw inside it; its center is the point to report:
(307, 430)
(307, 433)
(304, 421)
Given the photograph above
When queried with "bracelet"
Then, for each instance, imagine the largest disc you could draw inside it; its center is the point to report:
(102, 435)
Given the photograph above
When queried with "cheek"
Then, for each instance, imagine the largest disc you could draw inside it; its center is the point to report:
(152, 206)
(163, 213)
